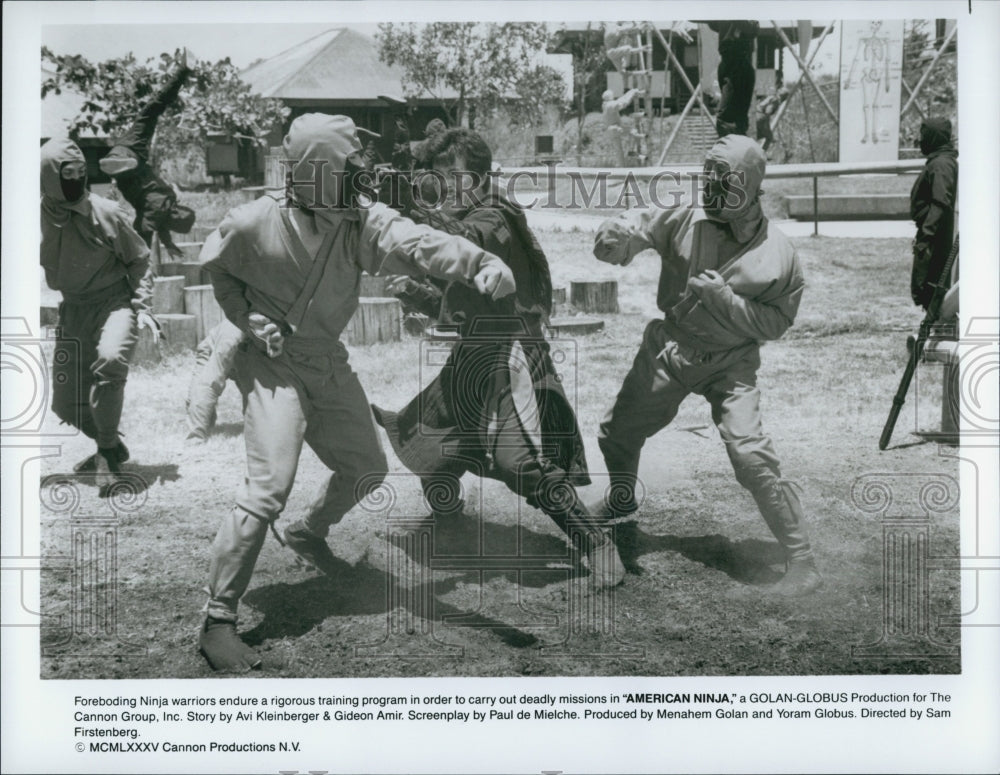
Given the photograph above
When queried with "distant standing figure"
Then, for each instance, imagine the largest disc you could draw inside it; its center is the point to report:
(932, 207)
(610, 110)
(736, 74)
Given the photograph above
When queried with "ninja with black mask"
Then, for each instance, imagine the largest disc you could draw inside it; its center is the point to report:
(932, 208)
(101, 267)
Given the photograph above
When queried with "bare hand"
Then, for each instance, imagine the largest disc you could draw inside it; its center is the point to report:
(495, 280)
(709, 280)
(146, 320)
(266, 334)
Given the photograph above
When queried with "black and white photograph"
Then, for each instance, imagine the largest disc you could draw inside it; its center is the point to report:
(399, 381)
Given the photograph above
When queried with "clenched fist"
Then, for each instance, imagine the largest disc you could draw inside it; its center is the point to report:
(265, 334)
(495, 280)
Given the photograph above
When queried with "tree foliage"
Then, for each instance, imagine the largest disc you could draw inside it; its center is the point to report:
(939, 94)
(474, 68)
(214, 101)
(590, 63)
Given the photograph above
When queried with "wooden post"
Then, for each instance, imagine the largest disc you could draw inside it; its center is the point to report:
(376, 320)
(168, 295)
(191, 250)
(191, 271)
(178, 333)
(815, 206)
(200, 233)
(374, 287)
(558, 300)
(594, 296)
(200, 302)
(146, 352)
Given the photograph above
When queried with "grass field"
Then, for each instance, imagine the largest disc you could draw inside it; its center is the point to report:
(700, 557)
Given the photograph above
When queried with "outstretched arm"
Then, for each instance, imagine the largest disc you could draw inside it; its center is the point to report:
(393, 244)
(621, 238)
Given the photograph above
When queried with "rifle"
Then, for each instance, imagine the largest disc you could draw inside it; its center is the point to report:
(933, 312)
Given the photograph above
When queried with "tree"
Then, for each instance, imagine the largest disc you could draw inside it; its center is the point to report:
(214, 101)
(938, 96)
(474, 68)
(589, 65)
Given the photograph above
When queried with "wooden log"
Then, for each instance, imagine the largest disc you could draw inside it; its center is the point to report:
(191, 250)
(48, 315)
(200, 302)
(594, 296)
(191, 271)
(198, 233)
(168, 295)
(578, 324)
(376, 320)
(179, 333)
(558, 301)
(415, 323)
(147, 352)
(442, 334)
(374, 287)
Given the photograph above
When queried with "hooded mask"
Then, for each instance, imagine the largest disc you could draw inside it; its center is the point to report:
(934, 133)
(324, 149)
(735, 198)
(55, 203)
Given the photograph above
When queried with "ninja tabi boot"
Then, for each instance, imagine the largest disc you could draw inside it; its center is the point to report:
(223, 649)
(311, 548)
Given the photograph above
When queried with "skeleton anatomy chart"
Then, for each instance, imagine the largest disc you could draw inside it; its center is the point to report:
(871, 59)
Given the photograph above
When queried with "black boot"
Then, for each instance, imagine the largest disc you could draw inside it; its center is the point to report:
(89, 464)
(312, 549)
(107, 466)
(223, 649)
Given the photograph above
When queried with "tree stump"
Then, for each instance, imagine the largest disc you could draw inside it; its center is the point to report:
(579, 324)
(198, 233)
(168, 295)
(376, 320)
(374, 287)
(191, 250)
(146, 351)
(558, 300)
(594, 296)
(191, 271)
(200, 302)
(179, 333)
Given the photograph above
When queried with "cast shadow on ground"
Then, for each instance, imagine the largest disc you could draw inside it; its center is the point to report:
(292, 610)
(133, 480)
(748, 561)
(227, 430)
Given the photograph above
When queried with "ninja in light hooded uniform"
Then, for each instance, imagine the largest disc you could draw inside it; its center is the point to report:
(729, 281)
(289, 278)
(101, 267)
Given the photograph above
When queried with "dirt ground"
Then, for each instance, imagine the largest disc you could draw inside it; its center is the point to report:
(499, 594)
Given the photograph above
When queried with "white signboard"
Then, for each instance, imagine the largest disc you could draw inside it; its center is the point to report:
(871, 65)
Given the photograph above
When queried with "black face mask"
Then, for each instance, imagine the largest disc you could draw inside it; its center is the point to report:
(73, 190)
